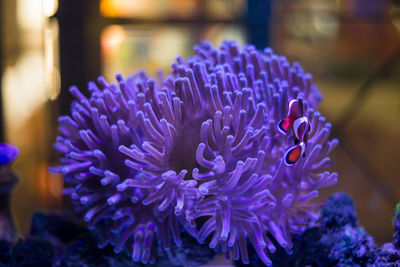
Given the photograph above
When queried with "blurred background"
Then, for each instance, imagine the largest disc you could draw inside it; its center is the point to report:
(352, 48)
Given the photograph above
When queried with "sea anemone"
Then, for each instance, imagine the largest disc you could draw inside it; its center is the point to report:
(154, 157)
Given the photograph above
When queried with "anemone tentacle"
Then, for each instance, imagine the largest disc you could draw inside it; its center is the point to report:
(154, 157)
(246, 186)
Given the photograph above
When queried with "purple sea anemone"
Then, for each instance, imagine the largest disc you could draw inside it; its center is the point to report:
(157, 157)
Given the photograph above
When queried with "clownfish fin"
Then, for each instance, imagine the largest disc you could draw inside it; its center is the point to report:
(283, 126)
(296, 109)
(294, 153)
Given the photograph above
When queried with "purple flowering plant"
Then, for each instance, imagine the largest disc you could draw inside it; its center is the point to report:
(199, 151)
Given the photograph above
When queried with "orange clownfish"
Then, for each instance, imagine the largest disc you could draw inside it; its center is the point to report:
(300, 126)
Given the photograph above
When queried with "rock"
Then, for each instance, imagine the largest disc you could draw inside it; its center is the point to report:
(338, 211)
(387, 256)
(191, 253)
(5, 253)
(32, 252)
(56, 226)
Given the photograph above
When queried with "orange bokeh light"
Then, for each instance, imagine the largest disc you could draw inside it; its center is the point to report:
(112, 39)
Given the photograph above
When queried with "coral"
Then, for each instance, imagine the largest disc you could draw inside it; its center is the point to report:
(387, 256)
(351, 246)
(154, 157)
(336, 241)
(345, 243)
(338, 212)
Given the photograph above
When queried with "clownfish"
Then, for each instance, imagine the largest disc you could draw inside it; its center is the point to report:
(300, 126)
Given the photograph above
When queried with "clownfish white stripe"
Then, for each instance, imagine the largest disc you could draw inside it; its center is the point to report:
(290, 105)
(297, 124)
